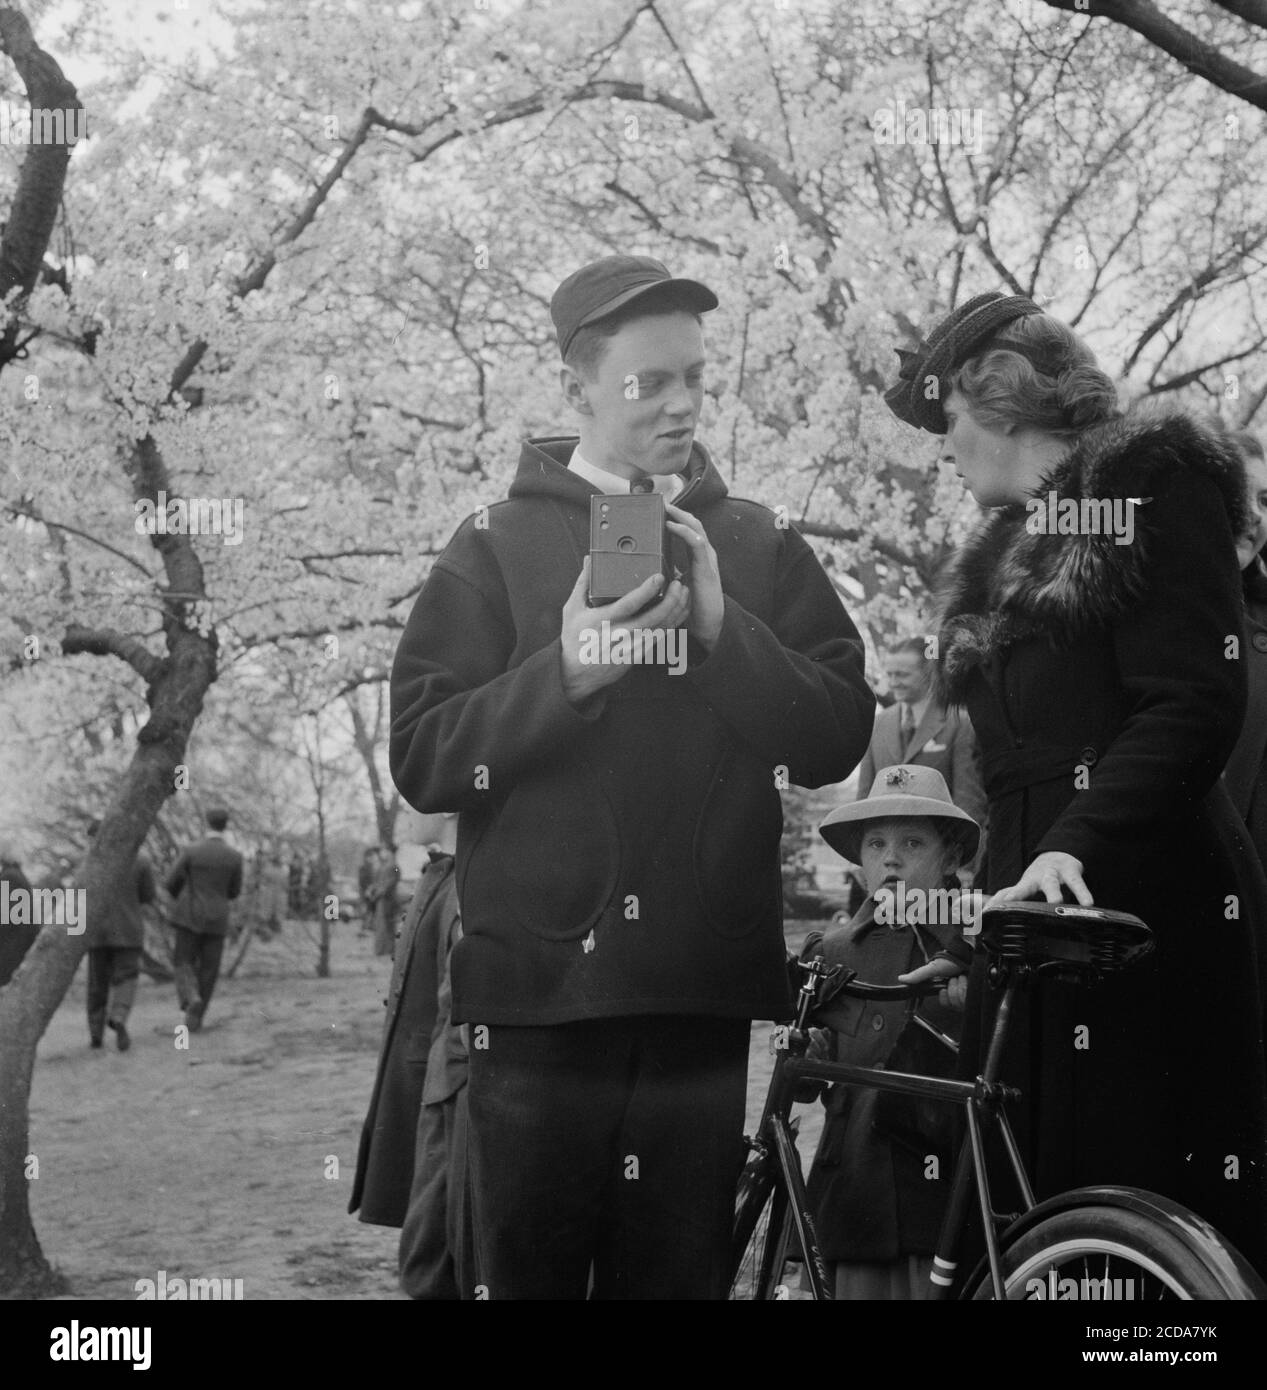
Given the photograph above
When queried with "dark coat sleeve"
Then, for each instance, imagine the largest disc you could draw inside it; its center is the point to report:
(176, 876)
(867, 771)
(455, 707)
(1183, 682)
(794, 691)
(966, 789)
(145, 892)
(234, 887)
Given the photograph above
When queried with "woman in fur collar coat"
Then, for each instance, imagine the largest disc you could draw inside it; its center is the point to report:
(1093, 627)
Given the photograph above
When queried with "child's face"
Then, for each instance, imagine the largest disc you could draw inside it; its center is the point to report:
(1248, 545)
(906, 849)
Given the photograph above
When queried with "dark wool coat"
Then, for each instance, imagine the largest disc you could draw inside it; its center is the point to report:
(1246, 771)
(874, 1199)
(385, 1160)
(621, 858)
(121, 924)
(1106, 684)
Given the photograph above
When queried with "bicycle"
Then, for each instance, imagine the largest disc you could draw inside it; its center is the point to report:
(1089, 1233)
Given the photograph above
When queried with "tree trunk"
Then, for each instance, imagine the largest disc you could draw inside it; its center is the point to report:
(366, 739)
(32, 996)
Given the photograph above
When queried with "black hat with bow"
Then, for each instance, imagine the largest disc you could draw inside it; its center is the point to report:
(924, 377)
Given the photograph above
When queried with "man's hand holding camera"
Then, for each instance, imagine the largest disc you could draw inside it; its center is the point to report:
(700, 606)
(582, 679)
(707, 604)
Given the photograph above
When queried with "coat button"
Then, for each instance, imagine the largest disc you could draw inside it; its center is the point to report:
(1260, 641)
(1088, 756)
(877, 1022)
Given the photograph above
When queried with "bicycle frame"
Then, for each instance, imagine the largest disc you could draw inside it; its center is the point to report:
(982, 1099)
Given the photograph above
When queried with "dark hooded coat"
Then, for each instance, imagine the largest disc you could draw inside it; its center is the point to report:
(620, 858)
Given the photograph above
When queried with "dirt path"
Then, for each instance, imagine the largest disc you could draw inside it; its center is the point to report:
(213, 1162)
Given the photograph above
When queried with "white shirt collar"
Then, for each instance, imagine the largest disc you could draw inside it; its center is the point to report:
(670, 485)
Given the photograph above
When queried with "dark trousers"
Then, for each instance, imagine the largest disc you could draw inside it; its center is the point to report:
(607, 1149)
(112, 976)
(197, 965)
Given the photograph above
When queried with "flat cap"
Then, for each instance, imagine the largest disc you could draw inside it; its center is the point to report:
(603, 286)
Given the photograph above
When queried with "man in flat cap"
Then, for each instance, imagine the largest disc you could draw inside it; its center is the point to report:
(619, 820)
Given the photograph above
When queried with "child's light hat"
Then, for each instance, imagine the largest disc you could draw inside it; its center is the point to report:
(903, 790)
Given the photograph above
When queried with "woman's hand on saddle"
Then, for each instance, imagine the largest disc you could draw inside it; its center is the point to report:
(1047, 877)
(940, 968)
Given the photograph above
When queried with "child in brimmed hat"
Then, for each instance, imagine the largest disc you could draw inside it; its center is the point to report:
(881, 1177)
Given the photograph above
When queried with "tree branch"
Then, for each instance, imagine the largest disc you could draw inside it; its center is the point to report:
(39, 192)
(1251, 11)
(1198, 56)
(254, 278)
(108, 642)
(32, 515)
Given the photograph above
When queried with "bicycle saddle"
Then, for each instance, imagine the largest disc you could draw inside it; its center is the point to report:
(1079, 942)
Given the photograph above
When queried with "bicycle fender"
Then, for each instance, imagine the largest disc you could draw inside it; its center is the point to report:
(1228, 1264)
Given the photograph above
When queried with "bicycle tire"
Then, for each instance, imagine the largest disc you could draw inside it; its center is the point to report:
(1144, 1257)
(761, 1233)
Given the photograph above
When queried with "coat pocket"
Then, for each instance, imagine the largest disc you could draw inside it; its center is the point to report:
(736, 850)
(547, 863)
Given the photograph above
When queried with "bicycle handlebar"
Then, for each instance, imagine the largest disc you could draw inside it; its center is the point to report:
(864, 989)
(828, 981)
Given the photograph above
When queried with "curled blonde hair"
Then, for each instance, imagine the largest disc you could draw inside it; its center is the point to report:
(1052, 381)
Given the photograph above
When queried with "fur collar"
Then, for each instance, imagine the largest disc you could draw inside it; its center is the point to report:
(1009, 582)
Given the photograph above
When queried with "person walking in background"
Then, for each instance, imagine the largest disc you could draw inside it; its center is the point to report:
(204, 880)
(272, 902)
(365, 875)
(386, 875)
(116, 938)
(295, 885)
(918, 729)
(1246, 771)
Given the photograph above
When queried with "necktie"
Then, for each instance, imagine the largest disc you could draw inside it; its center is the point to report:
(908, 726)
(642, 485)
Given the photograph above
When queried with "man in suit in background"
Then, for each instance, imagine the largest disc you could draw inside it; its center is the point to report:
(206, 877)
(916, 729)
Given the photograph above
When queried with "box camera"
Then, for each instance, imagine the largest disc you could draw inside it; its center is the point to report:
(629, 542)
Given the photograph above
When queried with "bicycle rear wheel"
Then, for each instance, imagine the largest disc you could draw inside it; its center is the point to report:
(1108, 1254)
(761, 1233)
